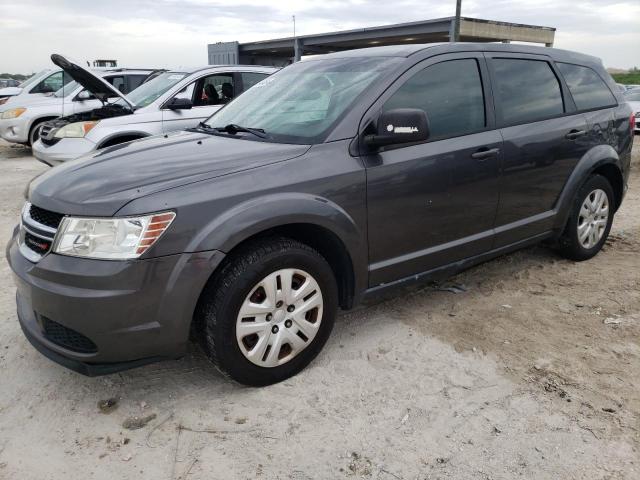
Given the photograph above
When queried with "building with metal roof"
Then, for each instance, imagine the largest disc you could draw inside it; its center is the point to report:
(283, 51)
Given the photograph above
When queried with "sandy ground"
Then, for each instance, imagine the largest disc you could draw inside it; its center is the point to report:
(519, 376)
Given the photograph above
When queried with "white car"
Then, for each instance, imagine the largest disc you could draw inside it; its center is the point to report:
(20, 122)
(37, 86)
(171, 101)
(633, 98)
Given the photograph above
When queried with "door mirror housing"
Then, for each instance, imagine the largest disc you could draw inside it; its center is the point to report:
(398, 126)
(84, 95)
(179, 104)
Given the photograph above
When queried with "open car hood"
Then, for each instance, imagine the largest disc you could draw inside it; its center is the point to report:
(94, 84)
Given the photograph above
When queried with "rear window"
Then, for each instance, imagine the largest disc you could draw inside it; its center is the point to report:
(586, 86)
(527, 90)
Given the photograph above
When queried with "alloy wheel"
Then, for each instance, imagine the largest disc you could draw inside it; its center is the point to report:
(593, 218)
(279, 317)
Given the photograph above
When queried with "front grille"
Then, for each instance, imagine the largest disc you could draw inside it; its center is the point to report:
(47, 132)
(66, 337)
(37, 244)
(37, 231)
(45, 217)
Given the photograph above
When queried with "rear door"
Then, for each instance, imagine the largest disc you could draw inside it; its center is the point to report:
(544, 137)
(434, 203)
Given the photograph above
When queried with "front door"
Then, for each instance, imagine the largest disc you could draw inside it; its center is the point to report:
(434, 203)
(208, 94)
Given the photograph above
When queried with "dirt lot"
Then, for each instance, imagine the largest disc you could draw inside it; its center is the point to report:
(532, 370)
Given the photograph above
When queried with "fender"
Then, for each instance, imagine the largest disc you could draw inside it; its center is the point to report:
(257, 215)
(122, 134)
(592, 160)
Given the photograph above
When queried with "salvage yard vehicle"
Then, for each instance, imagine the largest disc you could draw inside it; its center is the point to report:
(633, 99)
(41, 84)
(23, 121)
(171, 101)
(327, 183)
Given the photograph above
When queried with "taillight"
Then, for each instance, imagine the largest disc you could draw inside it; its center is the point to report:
(632, 122)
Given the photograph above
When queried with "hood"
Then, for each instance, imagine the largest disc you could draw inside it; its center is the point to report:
(94, 84)
(103, 183)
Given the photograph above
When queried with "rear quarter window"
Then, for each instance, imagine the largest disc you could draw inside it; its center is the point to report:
(527, 90)
(587, 88)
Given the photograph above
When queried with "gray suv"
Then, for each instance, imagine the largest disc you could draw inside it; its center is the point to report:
(331, 181)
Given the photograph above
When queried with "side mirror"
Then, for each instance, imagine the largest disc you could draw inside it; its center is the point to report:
(179, 104)
(84, 95)
(401, 125)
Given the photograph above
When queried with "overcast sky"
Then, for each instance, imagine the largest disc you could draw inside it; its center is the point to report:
(172, 33)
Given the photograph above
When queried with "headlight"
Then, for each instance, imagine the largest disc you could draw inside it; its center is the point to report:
(75, 130)
(13, 113)
(110, 238)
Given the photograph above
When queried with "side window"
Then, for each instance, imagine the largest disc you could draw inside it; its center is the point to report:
(52, 83)
(134, 81)
(451, 94)
(215, 89)
(526, 90)
(586, 86)
(249, 79)
(186, 92)
(117, 82)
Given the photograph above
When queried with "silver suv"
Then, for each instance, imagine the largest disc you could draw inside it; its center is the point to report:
(23, 116)
(171, 101)
(38, 85)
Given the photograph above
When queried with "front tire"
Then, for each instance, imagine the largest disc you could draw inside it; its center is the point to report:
(34, 133)
(590, 220)
(269, 311)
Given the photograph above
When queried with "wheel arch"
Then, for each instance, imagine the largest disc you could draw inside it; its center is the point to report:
(602, 160)
(316, 222)
(121, 137)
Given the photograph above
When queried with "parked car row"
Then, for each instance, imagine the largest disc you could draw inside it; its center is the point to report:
(8, 82)
(331, 181)
(22, 118)
(173, 100)
(632, 97)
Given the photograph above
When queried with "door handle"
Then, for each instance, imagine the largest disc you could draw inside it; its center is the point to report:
(573, 134)
(485, 153)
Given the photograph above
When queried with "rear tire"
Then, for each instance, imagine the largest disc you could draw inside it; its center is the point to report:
(286, 342)
(590, 220)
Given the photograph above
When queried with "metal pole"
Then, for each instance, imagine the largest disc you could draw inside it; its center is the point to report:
(456, 30)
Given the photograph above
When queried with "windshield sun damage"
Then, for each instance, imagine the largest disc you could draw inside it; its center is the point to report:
(302, 102)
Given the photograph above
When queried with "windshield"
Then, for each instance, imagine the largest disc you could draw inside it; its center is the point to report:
(302, 102)
(66, 89)
(632, 96)
(32, 78)
(148, 92)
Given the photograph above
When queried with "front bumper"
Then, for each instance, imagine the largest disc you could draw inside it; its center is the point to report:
(64, 150)
(133, 312)
(15, 130)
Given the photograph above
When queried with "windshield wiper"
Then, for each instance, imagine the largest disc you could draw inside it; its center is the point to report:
(232, 128)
